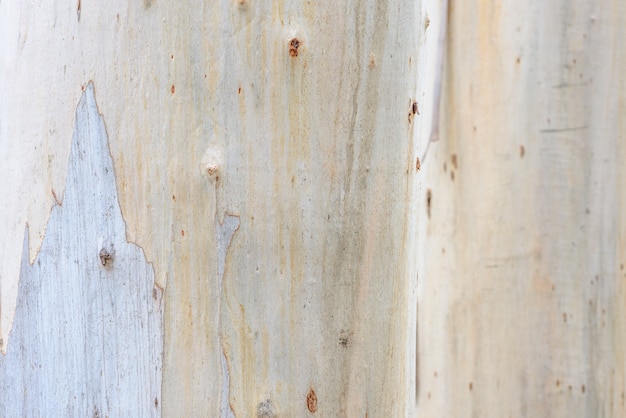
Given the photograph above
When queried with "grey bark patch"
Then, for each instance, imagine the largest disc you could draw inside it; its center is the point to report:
(85, 338)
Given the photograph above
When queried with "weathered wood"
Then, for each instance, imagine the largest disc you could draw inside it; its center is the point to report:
(87, 338)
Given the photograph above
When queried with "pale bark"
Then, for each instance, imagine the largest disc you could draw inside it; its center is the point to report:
(264, 157)
(521, 295)
(264, 163)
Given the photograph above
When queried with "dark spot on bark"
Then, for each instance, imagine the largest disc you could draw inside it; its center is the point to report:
(522, 151)
(429, 198)
(294, 44)
(106, 256)
(418, 165)
(311, 401)
(345, 338)
(173, 89)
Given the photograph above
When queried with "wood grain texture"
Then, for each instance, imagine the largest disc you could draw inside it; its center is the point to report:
(88, 333)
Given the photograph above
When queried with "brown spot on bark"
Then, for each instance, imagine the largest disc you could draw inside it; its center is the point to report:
(415, 108)
(372, 60)
(452, 175)
(311, 401)
(294, 44)
(558, 383)
(522, 151)
(156, 403)
(429, 198)
(173, 89)
(418, 165)
(174, 197)
(182, 232)
(518, 60)
(471, 386)
(239, 90)
(582, 389)
(455, 161)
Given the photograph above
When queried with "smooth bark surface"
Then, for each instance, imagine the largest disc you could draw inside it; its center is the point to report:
(268, 162)
(265, 159)
(522, 291)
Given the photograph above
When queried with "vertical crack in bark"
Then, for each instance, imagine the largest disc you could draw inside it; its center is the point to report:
(225, 232)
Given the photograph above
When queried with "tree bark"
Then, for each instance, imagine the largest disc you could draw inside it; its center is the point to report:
(264, 161)
(221, 209)
(521, 292)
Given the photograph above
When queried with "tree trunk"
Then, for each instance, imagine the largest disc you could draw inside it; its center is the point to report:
(521, 292)
(262, 157)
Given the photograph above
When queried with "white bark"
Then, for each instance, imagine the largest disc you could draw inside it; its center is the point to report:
(521, 298)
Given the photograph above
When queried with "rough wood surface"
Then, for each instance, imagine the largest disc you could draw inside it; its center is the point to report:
(87, 338)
